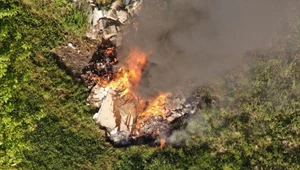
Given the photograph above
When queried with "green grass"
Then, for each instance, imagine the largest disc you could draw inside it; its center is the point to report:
(250, 120)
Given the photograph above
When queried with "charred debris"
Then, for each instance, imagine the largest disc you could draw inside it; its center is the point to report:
(120, 115)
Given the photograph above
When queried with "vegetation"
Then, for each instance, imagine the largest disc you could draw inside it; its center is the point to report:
(249, 121)
(33, 89)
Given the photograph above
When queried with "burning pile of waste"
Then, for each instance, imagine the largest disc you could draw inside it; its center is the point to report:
(125, 115)
(128, 117)
(102, 66)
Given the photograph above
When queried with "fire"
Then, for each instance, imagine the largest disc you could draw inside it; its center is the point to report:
(136, 62)
(156, 108)
(110, 50)
(155, 133)
(162, 143)
(128, 79)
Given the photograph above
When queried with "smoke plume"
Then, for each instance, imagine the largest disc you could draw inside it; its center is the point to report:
(197, 40)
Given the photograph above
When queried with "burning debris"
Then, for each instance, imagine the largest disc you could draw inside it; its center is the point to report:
(101, 67)
(96, 58)
(126, 116)
(107, 26)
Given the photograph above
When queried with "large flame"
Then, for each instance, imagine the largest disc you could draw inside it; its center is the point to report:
(128, 79)
(155, 108)
(162, 143)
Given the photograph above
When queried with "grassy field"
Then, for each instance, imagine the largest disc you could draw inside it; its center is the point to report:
(251, 119)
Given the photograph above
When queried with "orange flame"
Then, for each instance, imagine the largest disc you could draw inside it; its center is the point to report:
(110, 50)
(155, 108)
(155, 133)
(126, 80)
(136, 62)
(162, 143)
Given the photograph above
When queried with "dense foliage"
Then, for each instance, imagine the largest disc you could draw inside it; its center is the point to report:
(32, 86)
(249, 121)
